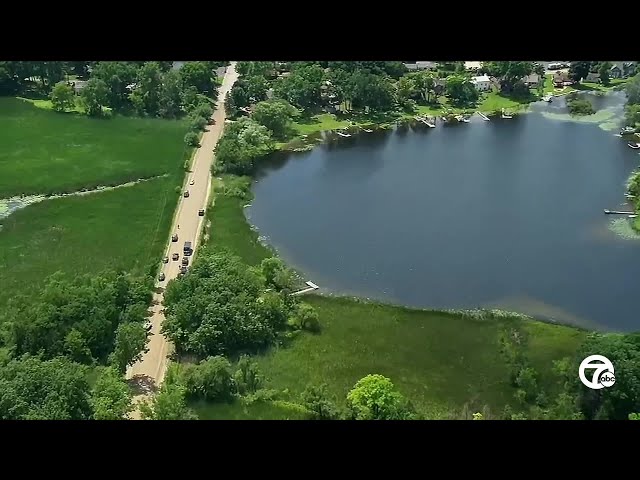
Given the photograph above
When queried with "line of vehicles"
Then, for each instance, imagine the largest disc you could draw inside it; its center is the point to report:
(187, 249)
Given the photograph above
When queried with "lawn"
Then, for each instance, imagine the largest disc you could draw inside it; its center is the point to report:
(44, 152)
(125, 228)
(438, 360)
(494, 101)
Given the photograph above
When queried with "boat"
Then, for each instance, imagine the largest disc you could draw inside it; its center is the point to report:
(547, 98)
(633, 216)
(633, 145)
(627, 130)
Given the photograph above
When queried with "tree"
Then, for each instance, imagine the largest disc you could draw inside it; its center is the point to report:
(210, 380)
(579, 70)
(111, 397)
(247, 377)
(168, 404)
(632, 115)
(460, 90)
(302, 88)
(146, 95)
(118, 78)
(197, 123)
(170, 101)
(632, 88)
(62, 97)
(198, 75)
(604, 69)
(316, 400)
(634, 416)
(611, 403)
(94, 97)
(374, 398)
(373, 91)
(270, 267)
(34, 389)
(130, 345)
(242, 143)
(276, 115)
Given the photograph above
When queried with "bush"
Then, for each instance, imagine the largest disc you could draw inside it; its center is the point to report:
(191, 139)
(197, 123)
(579, 106)
(203, 110)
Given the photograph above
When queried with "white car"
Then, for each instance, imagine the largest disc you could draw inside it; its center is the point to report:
(192, 182)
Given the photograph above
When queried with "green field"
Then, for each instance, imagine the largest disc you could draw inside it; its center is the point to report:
(124, 228)
(44, 152)
(440, 361)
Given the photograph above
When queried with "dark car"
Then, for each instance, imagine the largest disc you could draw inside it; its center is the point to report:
(186, 193)
(183, 270)
(174, 237)
(201, 212)
(175, 257)
(161, 277)
(165, 260)
(185, 261)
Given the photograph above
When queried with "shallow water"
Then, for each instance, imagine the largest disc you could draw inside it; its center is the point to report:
(502, 214)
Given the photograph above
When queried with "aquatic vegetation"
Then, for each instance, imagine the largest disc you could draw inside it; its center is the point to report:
(623, 228)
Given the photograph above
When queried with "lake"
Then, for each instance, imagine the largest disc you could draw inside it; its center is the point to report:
(500, 214)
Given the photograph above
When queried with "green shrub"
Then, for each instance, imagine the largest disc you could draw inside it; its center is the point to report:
(191, 139)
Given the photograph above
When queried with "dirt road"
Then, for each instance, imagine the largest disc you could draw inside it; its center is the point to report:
(147, 374)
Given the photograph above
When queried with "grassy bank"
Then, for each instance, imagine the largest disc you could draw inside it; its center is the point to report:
(438, 360)
(44, 152)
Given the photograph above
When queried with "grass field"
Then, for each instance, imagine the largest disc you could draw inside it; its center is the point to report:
(438, 360)
(125, 228)
(44, 152)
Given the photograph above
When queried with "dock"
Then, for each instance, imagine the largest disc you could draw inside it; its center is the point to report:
(617, 212)
(346, 135)
(310, 288)
(426, 122)
(483, 116)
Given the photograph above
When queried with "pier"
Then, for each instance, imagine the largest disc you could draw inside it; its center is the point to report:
(367, 130)
(346, 135)
(310, 288)
(617, 212)
(426, 122)
(483, 116)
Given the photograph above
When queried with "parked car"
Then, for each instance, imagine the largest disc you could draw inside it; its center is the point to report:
(175, 257)
(185, 261)
(165, 260)
(201, 212)
(192, 182)
(174, 237)
(161, 277)
(183, 270)
(186, 194)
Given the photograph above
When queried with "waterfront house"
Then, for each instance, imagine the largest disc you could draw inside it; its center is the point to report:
(592, 77)
(472, 66)
(482, 83)
(532, 81)
(561, 79)
(615, 72)
(628, 69)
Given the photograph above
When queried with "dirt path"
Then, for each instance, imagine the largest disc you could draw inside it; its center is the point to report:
(147, 374)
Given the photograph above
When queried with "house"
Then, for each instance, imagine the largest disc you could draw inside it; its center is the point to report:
(532, 81)
(421, 66)
(592, 77)
(472, 66)
(628, 69)
(615, 72)
(78, 85)
(561, 79)
(482, 83)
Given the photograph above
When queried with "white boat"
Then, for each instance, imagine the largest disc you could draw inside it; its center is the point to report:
(633, 216)
(547, 98)
(633, 145)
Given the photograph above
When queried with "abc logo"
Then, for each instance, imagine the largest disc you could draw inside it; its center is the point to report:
(603, 375)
